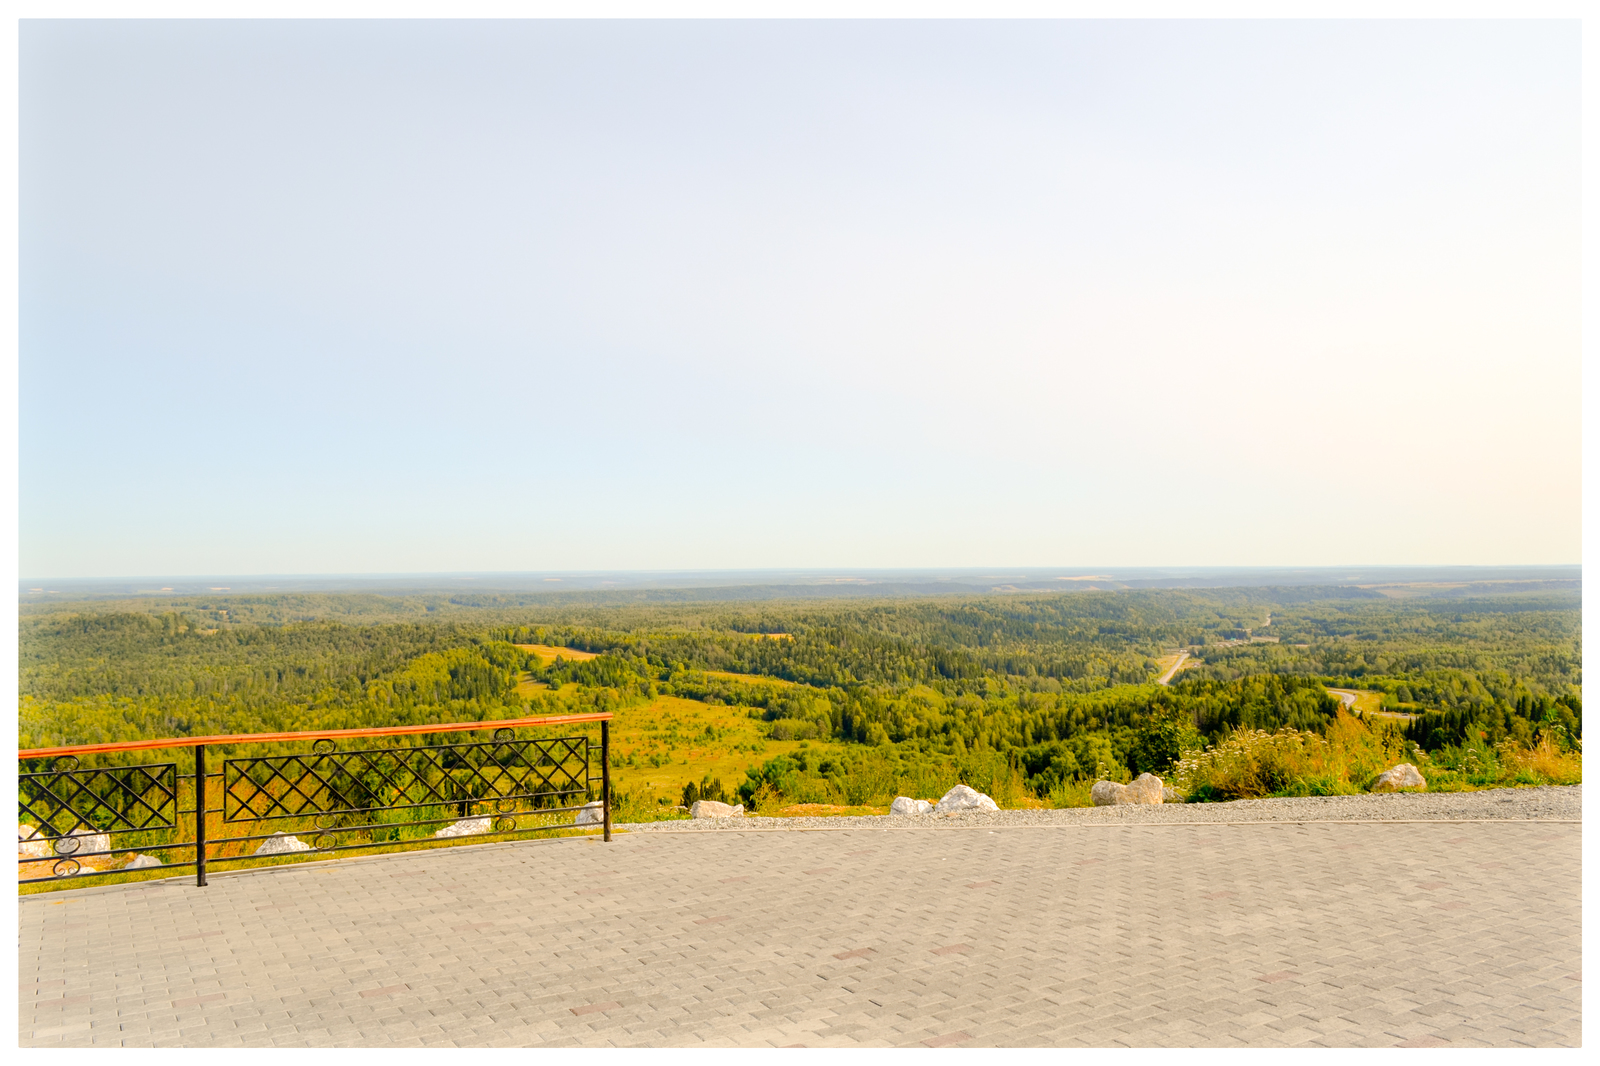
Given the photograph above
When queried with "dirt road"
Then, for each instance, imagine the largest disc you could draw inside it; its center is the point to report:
(1372, 704)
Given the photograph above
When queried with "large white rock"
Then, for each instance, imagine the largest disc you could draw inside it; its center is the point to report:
(905, 805)
(1146, 788)
(1403, 776)
(465, 828)
(30, 845)
(141, 861)
(1107, 793)
(965, 798)
(81, 843)
(591, 814)
(713, 809)
(282, 844)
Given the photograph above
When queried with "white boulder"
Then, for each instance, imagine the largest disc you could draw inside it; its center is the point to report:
(30, 845)
(591, 814)
(1107, 793)
(466, 827)
(965, 798)
(282, 844)
(140, 862)
(713, 809)
(905, 805)
(1403, 776)
(1146, 788)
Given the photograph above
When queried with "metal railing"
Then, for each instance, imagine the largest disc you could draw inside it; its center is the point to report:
(343, 799)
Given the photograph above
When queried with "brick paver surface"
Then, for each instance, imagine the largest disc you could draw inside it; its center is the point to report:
(1371, 934)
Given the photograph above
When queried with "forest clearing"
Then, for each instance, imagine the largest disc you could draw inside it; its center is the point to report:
(662, 745)
(548, 655)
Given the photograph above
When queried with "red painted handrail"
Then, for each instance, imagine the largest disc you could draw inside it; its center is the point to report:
(314, 734)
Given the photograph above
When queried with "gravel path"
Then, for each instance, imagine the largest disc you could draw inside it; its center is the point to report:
(1551, 802)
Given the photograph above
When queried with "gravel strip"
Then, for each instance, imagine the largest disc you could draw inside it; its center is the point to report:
(1552, 802)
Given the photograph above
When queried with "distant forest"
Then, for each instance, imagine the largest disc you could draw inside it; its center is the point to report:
(1061, 679)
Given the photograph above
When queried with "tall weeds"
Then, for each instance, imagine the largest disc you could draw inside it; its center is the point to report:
(1348, 758)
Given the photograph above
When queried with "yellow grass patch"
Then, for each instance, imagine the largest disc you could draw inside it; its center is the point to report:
(1546, 761)
(547, 654)
(761, 679)
(674, 732)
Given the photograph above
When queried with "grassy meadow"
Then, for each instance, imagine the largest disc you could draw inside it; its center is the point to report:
(659, 746)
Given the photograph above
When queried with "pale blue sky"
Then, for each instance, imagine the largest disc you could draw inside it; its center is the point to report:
(384, 297)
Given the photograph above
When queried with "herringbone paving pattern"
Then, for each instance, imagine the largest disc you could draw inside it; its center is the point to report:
(1370, 934)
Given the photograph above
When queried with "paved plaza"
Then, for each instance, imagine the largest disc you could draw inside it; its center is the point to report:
(1377, 934)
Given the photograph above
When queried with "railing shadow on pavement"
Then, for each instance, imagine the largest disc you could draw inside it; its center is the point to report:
(344, 789)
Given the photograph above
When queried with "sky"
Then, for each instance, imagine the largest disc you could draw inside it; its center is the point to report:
(389, 297)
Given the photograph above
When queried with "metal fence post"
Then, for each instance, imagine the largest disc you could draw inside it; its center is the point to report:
(200, 815)
(605, 774)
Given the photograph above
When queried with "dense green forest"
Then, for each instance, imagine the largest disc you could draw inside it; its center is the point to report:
(95, 677)
(1061, 685)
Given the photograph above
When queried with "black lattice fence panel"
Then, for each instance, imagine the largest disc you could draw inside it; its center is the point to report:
(116, 799)
(504, 773)
(69, 817)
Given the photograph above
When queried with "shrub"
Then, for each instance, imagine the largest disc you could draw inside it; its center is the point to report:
(706, 790)
(637, 807)
(1161, 743)
(793, 729)
(1074, 792)
(1544, 763)
(1246, 764)
(1349, 757)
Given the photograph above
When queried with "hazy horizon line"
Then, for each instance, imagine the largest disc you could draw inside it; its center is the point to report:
(975, 568)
